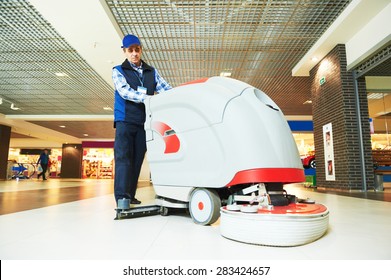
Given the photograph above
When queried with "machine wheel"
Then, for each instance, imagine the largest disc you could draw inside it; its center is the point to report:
(164, 211)
(204, 206)
(312, 164)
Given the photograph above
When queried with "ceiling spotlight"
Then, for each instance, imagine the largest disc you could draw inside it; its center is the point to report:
(1, 100)
(85, 134)
(62, 126)
(107, 108)
(308, 102)
(314, 59)
(13, 107)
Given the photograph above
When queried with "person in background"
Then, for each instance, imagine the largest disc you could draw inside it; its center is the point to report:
(44, 161)
(134, 80)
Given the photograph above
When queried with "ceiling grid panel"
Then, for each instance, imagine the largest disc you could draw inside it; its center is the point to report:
(33, 54)
(256, 41)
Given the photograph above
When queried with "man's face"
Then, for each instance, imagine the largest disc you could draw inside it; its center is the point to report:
(133, 54)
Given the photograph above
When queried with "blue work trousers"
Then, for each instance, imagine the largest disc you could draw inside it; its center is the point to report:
(129, 151)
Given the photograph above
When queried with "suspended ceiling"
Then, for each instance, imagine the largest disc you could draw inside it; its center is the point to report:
(258, 42)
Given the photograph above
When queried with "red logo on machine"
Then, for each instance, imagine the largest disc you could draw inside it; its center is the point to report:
(169, 135)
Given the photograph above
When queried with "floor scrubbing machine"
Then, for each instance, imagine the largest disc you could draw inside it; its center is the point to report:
(222, 148)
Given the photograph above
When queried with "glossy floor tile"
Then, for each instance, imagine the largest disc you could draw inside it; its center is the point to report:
(74, 219)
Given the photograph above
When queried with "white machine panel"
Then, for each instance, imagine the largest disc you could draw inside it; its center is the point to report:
(204, 134)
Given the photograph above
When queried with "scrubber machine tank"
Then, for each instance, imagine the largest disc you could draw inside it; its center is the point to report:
(222, 148)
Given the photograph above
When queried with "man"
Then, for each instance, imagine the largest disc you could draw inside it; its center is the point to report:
(134, 80)
(44, 161)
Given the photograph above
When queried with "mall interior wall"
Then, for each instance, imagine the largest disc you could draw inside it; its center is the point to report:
(72, 156)
(5, 135)
(334, 102)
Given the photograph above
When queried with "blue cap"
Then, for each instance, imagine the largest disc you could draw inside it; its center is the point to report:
(129, 40)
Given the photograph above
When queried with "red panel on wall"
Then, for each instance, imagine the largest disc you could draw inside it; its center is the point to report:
(97, 144)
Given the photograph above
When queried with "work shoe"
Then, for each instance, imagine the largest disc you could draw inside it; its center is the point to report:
(135, 201)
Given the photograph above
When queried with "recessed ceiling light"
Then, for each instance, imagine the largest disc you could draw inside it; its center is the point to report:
(85, 134)
(314, 59)
(62, 126)
(107, 108)
(308, 102)
(60, 74)
(377, 95)
(225, 74)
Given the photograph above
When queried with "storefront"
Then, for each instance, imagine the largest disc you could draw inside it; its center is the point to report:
(23, 163)
(98, 160)
(98, 163)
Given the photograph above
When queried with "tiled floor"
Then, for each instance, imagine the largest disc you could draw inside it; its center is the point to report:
(74, 219)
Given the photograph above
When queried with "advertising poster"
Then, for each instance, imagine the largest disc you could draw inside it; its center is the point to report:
(329, 152)
(371, 126)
